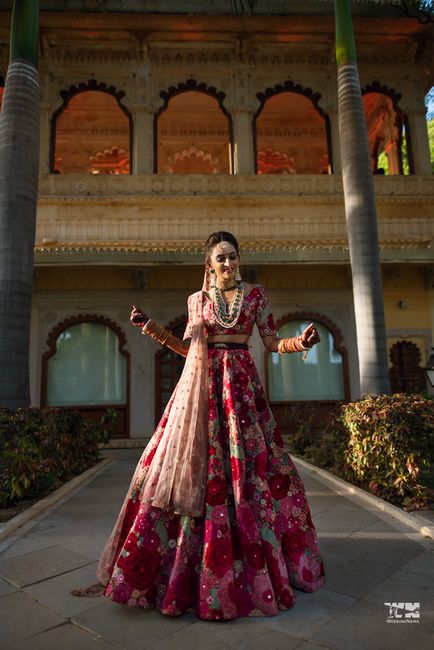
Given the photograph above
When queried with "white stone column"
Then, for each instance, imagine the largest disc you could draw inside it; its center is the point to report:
(142, 155)
(45, 135)
(243, 154)
(419, 142)
(335, 140)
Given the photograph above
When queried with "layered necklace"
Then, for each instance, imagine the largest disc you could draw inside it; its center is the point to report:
(227, 313)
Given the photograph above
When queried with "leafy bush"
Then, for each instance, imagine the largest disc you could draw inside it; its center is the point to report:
(316, 436)
(40, 447)
(390, 438)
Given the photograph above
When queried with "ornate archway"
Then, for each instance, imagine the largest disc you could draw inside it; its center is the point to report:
(288, 136)
(100, 104)
(193, 116)
(110, 380)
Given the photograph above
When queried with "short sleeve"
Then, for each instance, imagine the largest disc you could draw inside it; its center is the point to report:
(188, 327)
(264, 317)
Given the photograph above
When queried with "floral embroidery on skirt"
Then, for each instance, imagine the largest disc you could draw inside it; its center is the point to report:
(256, 540)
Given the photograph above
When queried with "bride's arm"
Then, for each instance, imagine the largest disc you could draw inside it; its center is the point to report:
(158, 332)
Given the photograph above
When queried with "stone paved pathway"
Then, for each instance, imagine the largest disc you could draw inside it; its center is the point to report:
(370, 558)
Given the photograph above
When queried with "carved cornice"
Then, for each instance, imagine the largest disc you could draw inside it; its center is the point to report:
(296, 188)
(248, 246)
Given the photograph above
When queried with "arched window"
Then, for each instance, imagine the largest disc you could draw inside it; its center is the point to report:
(91, 132)
(292, 133)
(388, 133)
(406, 374)
(323, 375)
(87, 367)
(193, 132)
(168, 369)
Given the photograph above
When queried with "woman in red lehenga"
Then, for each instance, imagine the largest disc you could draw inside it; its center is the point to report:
(216, 519)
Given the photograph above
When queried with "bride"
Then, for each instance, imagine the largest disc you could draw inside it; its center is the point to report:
(215, 520)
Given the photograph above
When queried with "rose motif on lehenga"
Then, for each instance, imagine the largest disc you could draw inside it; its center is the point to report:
(216, 491)
(218, 556)
(255, 556)
(279, 486)
(141, 568)
(294, 544)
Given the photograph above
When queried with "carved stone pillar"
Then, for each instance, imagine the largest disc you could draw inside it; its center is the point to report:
(45, 135)
(392, 153)
(419, 142)
(143, 140)
(243, 154)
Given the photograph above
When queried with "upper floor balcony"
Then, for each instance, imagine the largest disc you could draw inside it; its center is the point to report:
(156, 218)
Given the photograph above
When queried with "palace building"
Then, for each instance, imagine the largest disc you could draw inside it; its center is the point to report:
(162, 122)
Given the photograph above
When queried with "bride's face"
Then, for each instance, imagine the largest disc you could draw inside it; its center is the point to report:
(224, 260)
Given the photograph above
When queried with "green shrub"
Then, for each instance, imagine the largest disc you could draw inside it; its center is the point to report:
(40, 447)
(316, 436)
(390, 438)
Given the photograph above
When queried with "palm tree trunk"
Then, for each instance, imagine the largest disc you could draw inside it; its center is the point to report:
(19, 162)
(360, 211)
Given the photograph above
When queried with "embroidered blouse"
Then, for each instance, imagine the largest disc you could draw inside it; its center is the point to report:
(255, 308)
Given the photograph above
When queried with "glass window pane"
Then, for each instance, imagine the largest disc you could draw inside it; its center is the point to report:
(87, 368)
(319, 377)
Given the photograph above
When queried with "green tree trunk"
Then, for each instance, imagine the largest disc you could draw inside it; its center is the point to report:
(19, 163)
(360, 211)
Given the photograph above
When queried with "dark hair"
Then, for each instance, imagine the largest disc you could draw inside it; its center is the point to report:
(218, 237)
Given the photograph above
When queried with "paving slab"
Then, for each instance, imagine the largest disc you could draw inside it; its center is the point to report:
(6, 587)
(21, 617)
(370, 558)
(63, 637)
(130, 627)
(22, 546)
(55, 593)
(363, 626)
(40, 565)
(309, 612)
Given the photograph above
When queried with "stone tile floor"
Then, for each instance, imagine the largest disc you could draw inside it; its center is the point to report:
(370, 558)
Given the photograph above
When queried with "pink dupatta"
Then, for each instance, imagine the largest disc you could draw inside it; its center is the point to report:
(175, 479)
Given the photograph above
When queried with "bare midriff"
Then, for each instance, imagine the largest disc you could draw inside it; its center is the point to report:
(228, 338)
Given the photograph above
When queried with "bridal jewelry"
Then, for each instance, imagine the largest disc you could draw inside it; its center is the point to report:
(227, 314)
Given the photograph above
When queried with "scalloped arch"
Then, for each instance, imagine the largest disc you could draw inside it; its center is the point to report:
(376, 87)
(192, 85)
(289, 86)
(73, 91)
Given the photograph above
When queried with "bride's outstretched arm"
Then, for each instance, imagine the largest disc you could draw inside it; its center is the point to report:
(308, 338)
(158, 332)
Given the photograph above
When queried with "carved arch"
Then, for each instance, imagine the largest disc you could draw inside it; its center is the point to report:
(187, 86)
(83, 87)
(337, 339)
(395, 96)
(289, 86)
(51, 350)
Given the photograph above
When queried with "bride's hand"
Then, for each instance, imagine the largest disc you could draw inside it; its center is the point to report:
(137, 317)
(310, 336)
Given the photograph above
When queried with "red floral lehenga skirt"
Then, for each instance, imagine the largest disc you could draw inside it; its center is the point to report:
(256, 540)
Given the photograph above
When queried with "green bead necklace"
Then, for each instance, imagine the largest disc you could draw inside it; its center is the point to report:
(227, 314)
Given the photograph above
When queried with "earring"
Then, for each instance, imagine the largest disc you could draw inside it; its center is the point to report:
(238, 277)
(212, 271)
